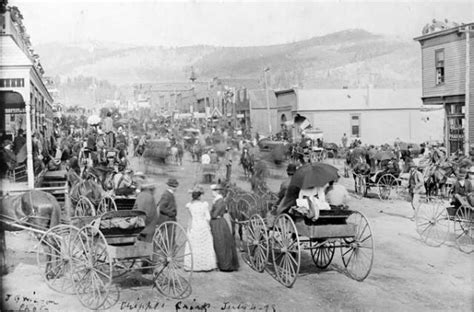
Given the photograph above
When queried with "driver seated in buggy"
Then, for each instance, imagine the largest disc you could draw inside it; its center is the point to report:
(389, 166)
(462, 189)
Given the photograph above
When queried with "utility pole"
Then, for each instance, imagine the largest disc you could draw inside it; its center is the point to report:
(467, 30)
(268, 101)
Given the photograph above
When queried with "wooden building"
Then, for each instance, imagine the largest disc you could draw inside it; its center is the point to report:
(447, 79)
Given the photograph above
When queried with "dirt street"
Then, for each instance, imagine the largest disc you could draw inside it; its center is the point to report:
(406, 274)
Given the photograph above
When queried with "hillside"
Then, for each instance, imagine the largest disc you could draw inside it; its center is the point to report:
(350, 58)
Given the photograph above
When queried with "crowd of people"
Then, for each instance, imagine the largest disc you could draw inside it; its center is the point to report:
(209, 230)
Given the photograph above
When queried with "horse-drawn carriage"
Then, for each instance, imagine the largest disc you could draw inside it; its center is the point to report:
(290, 233)
(83, 255)
(433, 218)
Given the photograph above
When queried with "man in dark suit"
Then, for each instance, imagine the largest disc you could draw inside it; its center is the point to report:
(146, 202)
(167, 203)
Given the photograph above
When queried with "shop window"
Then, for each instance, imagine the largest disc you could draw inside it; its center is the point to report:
(439, 61)
(355, 125)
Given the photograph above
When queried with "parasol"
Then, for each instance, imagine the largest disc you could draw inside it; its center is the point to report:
(306, 177)
(313, 175)
(93, 120)
(384, 155)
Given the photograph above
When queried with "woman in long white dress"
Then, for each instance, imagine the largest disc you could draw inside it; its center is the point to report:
(199, 234)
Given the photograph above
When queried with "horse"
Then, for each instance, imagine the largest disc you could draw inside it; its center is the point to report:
(34, 209)
(88, 188)
(359, 166)
(247, 162)
(436, 177)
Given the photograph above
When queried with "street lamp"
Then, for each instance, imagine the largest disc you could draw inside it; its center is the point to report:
(268, 101)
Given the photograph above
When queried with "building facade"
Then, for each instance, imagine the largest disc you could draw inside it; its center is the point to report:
(21, 79)
(447, 80)
(375, 116)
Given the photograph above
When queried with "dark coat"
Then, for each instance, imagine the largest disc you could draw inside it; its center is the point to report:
(167, 207)
(146, 202)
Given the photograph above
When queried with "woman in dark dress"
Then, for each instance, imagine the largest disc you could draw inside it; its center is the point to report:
(224, 243)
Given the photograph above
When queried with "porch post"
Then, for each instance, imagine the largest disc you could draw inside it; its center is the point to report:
(29, 147)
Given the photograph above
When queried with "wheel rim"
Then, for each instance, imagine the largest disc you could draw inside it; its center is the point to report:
(91, 267)
(358, 252)
(257, 243)
(106, 204)
(432, 223)
(386, 183)
(53, 258)
(172, 260)
(464, 229)
(285, 250)
(84, 207)
(322, 255)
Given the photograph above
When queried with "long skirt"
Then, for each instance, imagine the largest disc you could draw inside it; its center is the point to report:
(224, 245)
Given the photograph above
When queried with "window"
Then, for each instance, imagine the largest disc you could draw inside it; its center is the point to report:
(355, 125)
(439, 60)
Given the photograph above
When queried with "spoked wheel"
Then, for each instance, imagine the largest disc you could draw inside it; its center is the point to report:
(172, 260)
(387, 186)
(464, 229)
(285, 250)
(106, 204)
(91, 268)
(84, 207)
(53, 258)
(358, 251)
(124, 266)
(432, 222)
(360, 186)
(322, 255)
(257, 243)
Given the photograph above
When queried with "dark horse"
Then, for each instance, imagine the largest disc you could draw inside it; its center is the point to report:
(34, 209)
(437, 177)
(247, 162)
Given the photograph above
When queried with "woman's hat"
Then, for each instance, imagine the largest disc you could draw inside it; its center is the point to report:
(217, 187)
(172, 182)
(228, 148)
(291, 168)
(145, 183)
(196, 189)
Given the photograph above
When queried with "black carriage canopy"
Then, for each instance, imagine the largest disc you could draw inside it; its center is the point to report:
(306, 177)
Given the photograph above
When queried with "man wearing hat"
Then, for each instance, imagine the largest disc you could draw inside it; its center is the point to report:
(167, 203)
(290, 170)
(461, 188)
(146, 202)
(416, 186)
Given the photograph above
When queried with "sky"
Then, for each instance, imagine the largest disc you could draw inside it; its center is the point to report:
(224, 23)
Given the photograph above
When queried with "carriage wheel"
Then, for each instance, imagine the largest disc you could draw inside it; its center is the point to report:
(91, 268)
(285, 250)
(386, 184)
(53, 257)
(173, 261)
(360, 186)
(464, 229)
(124, 266)
(257, 243)
(322, 255)
(358, 251)
(84, 207)
(106, 204)
(432, 222)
